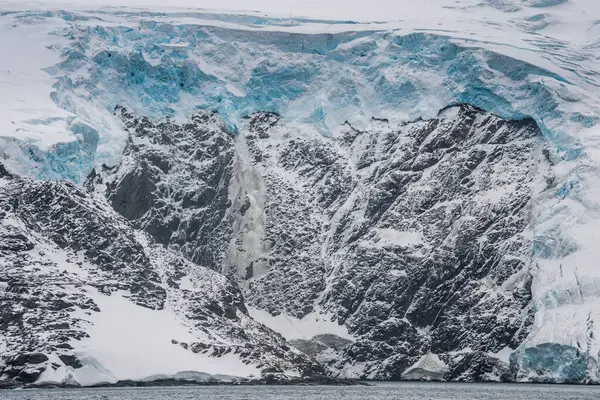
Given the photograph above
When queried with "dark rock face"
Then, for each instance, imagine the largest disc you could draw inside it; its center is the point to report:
(110, 246)
(479, 365)
(178, 186)
(70, 360)
(414, 237)
(134, 197)
(439, 261)
(3, 172)
(61, 248)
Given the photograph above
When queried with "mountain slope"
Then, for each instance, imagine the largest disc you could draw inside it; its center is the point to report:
(86, 299)
(415, 238)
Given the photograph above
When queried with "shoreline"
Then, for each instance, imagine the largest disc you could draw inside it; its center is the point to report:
(311, 381)
(268, 381)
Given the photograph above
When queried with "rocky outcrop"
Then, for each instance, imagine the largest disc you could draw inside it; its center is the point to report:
(414, 237)
(64, 251)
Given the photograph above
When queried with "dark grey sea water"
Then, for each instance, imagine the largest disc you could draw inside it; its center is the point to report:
(387, 391)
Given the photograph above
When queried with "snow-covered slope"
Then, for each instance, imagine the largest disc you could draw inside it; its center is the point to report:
(86, 299)
(307, 160)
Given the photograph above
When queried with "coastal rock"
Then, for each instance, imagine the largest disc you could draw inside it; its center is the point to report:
(415, 237)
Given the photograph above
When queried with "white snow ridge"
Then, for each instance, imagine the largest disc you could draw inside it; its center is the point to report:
(308, 191)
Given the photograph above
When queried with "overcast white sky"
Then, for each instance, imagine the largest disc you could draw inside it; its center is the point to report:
(381, 10)
(574, 11)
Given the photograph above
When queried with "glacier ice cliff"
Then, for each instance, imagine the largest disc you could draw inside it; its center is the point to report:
(309, 162)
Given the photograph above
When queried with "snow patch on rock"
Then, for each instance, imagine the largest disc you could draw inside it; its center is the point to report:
(134, 343)
(429, 367)
(309, 326)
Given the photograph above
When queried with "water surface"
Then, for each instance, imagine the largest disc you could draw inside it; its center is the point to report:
(382, 391)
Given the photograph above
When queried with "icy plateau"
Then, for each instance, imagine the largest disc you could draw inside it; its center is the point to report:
(216, 196)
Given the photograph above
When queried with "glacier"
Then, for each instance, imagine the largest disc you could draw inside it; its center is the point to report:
(67, 70)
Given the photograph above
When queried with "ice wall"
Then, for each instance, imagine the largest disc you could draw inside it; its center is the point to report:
(172, 64)
(316, 79)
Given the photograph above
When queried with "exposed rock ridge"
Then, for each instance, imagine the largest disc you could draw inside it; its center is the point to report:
(62, 250)
(415, 237)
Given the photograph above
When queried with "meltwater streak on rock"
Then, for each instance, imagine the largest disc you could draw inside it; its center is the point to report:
(248, 197)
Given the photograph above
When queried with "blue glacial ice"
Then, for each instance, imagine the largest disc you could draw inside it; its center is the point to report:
(321, 80)
(552, 362)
